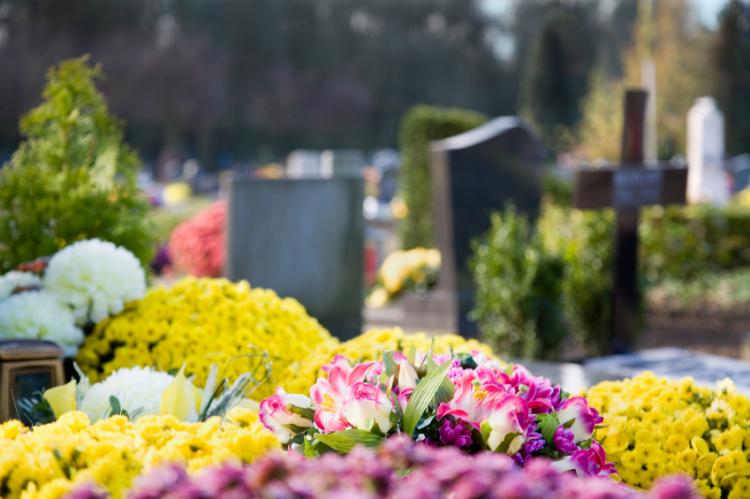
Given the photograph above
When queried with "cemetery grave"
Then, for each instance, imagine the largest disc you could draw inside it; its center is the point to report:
(488, 312)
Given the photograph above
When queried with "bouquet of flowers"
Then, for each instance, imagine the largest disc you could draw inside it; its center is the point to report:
(464, 401)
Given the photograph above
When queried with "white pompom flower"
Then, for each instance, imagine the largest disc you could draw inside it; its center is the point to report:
(39, 315)
(17, 280)
(95, 279)
(137, 389)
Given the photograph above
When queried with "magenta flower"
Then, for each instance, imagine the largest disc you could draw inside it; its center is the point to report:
(457, 434)
(275, 413)
(584, 418)
(564, 441)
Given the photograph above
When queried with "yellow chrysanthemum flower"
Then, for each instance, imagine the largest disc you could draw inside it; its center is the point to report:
(49, 460)
(676, 426)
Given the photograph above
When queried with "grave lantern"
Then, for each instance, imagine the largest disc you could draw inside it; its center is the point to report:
(26, 367)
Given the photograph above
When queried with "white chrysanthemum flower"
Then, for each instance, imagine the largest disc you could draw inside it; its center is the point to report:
(16, 280)
(95, 278)
(138, 390)
(39, 315)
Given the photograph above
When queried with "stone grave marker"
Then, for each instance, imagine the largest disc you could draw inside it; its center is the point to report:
(674, 363)
(707, 180)
(626, 188)
(302, 238)
(473, 175)
(341, 162)
(302, 163)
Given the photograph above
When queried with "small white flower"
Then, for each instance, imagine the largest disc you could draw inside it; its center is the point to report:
(16, 280)
(138, 390)
(39, 315)
(95, 279)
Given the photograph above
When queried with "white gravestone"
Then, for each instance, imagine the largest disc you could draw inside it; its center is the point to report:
(707, 180)
(303, 163)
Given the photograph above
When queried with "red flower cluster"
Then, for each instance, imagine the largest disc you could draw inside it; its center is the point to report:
(197, 246)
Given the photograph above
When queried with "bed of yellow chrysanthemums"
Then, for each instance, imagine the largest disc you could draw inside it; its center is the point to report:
(200, 322)
(47, 461)
(654, 426)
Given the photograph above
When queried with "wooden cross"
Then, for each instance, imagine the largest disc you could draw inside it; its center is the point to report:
(627, 187)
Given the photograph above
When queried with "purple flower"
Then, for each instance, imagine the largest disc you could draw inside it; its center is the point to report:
(565, 440)
(457, 434)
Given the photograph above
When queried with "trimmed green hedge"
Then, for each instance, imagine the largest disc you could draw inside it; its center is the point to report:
(420, 126)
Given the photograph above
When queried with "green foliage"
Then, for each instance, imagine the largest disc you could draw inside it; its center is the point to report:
(72, 177)
(584, 241)
(684, 242)
(709, 290)
(556, 75)
(420, 126)
(519, 303)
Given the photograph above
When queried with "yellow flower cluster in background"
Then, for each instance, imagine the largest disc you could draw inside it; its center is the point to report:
(405, 269)
(654, 427)
(200, 322)
(49, 460)
(370, 346)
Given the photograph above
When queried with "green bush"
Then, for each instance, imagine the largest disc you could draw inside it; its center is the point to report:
(420, 126)
(584, 240)
(72, 177)
(682, 242)
(519, 289)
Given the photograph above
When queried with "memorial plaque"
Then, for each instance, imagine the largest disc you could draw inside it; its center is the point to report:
(302, 238)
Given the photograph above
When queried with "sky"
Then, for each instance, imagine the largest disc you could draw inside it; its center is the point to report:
(707, 10)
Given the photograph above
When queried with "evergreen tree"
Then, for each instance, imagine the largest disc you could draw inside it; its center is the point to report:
(73, 177)
(732, 67)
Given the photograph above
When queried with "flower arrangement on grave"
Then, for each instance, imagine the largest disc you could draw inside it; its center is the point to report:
(370, 346)
(196, 246)
(201, 322)
(655, 426)
(398, 469)
(79, 285)
(414, 269)
(55, 458)
(464, 401)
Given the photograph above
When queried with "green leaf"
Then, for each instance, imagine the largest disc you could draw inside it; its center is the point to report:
(345, 441)
(548, 424)
(507, 441)
(569, 423)
(389, 363)
(309, 449)
(422, 397)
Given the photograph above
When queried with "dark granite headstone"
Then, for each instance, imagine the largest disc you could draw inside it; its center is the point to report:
(473, 175)
(302, 238)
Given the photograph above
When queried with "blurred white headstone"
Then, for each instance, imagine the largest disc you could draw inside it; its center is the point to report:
(341, 162)
(707, 180)
(303, 163)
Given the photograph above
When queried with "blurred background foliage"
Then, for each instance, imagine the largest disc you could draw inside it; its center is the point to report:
(225, 79)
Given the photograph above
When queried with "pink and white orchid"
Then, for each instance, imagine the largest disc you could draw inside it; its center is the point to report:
(276, 414)
(507, 416)
(367, 407)
(464, 405)
(331, 394)
(584, 418)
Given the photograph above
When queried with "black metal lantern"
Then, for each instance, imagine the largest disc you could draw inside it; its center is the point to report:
(27, 367)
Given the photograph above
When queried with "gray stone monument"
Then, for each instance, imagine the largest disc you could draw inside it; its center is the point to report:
(473, 175)
(302, 238)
